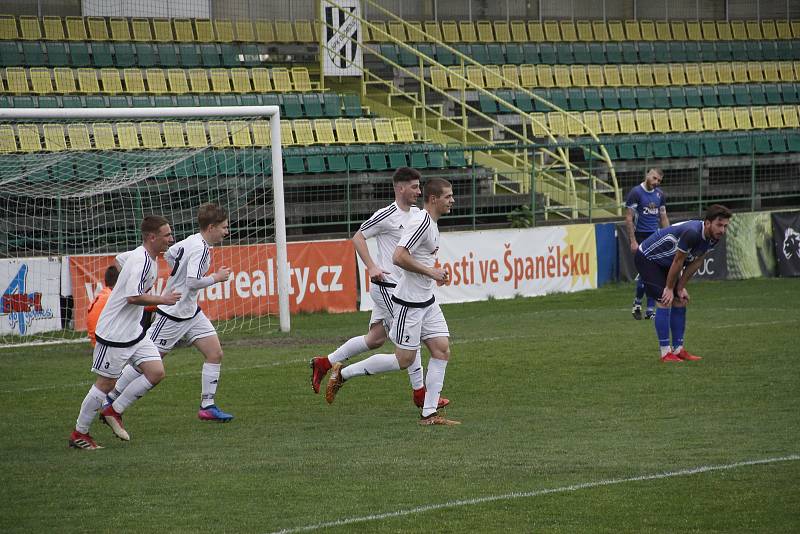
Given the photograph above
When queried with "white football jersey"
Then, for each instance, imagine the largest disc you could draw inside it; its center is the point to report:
(421, 238)
(190, 258)
(120, 323)
(387, 226)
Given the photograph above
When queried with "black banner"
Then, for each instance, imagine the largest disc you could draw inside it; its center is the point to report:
(786, 236)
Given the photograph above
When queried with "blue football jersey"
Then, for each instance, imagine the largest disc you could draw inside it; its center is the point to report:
(647, 206)
(686, 237)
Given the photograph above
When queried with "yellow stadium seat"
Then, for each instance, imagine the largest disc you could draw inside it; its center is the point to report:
(536, 31)
(527, 76)
(196, 134)
(284, 32)
(753, 30)
(677, 121)
(694, 31)
(724, 72)
(87, 81)
(771, 72)
(98, 30)
(796, 70)
(244, 31)
(692, 74)
(301, 81)
(151, 135)
(76, 29)
(127, 136)
(629, 77)
(661, 121)
(578, 75)
(103, 135)
(754, 72)
(287, 135)
(241, 80)
(785, 71)
(8, 27)
(519, 32)
(608, 119)
(661, 75)
(178, 84)
(198, 81)
(223, 29)
(17, 80)
(344, 131)
(695, 120)
(218, 134)
(240, 134)
(162, 30)
(41, 81)
(510, 75)
(261, 133)
(759, 116)
(708, 29)
(502, 32)
(677, 75)
(265, 31)
(323, 131)
(627, 124)
(494, 79)
(29, 138)
(383, 130)
(141, 30)
(648, 29)
(54, 139)
(184, 31)
(600, 30)
(261, 81)
(574, 124)
(220, 81)
(663, 32)
(65, 82)
(54, 29)
(678, 28)
(438, 77)
(633, 31)
(475, 77)
(484, 31)
(415, 34)
(595, 74)
(134, 81)
(742, 119)
(790, 116)
(584, 28)
(557, 123)
(591, 121)
(612, 76)
(544, 75)
(31, 28)
(467, 31)
(174, 136)
(156, 81)
(568, 31)
(738, 30)
(432, 28)
(724, 31)
(457, 78)
(281, 80)
(450, 31)
(303, 31)
(78, 136)
(552, 32)
(539, 124)
(783, 29)
(397, 30)
(708, 73)
(120, 30)
(402, 130)
(740, 72)
(727, 118)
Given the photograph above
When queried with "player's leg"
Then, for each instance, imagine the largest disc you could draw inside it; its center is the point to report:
(211, 349)
(129, 374)
(636, 309)
(678, 327)
(107, 365)
(436, 336)
(655, 278)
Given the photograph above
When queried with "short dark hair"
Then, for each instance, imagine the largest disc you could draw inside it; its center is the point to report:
(152, 223)
(405, 174)
(718, 211)
(209, 214)
(435, 187)
(657, 169)
(111, 275)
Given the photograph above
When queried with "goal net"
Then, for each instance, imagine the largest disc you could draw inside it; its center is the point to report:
(75, 185)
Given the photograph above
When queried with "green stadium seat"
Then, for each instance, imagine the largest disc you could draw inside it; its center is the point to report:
(678, 148)
(594, 99)
(10, 55)
(162, 101)
(627, 98)
(693, 53)
(23, 102)
(71, 101)
(230, 55)
(312, 105)
(378, 161)
(723, 51)
(118, 102)
(426, 49)
(418, 160)
(643, 149)
(728, 147)
(706, 51)
(614, 53)
(531, 53)
(57, 54)
(725, 95)
(357, 162)
(514, 54)
(229, 100)
(406, 57)
(783, 51)
(597, 54)
(626, 150)
(709, 96)
(250, 55)
(693, 97)
(507, 96)
(694, 147)
(559, 98)
(739, 50)
(79, 54)
(644, 98)
(581, 53)
(5, 102)
(436, 159)
(207, 100)
(189, 56)
(291, 106)
(793, 141)
(315, 163)
(445, 56)
(741, 95)
(145, 55)
(167, 56)
(660, 98)
(576, 99)
(789, 93)
(336, 163)
(548, 54)
(185, 101)
(125, 55)
(397, 159)
(564, 54)
(496, 54)
(352, 105)
(270, 99)
(209, 56)
(141, 101)
(777, 141)
(610, 98)
(661, 52)
(331, 105)
(757, 95)
(646, 52)
(769, 51)
(95, 101)
(480, 54)
(101, 55)
(744, 145)
(255, 162)
(456, 158)
(250, 100)
(676, 52)
(629, 52)
(661, 148)
(33, 53)
(677, 99)
(389, 51)
(205, 163)
(753, 51)
(761, 144)
(524, 101)
(487, 104)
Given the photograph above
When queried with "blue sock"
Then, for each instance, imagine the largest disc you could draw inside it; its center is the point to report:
(662, 326)
(651, 304)
(677, 323)
(639, 290)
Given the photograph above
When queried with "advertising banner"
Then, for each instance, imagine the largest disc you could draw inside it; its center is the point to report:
(322, 275)
(507, 263)
(31, 300)
(786, 229)
(751, 253)
(341, 31)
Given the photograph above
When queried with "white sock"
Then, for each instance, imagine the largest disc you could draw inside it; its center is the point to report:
(210, 380)
(89, 407)
(351, 347)
(129, 374)
(678, 349)
(134, 391)
(433, 385)
(377, 363)
(665, 349)
(415, 375)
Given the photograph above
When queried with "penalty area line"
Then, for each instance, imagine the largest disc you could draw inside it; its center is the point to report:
(537, 493)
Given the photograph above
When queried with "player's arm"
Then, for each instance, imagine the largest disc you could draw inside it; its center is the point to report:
(631, 232)
(688, 273)
(154, 300)
(662, 212)
(672, 277)
(194, 273)
(360, 244)
(403, 259)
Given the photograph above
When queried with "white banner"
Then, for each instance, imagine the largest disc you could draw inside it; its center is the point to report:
(506, 263)
(342, 36)
(30, 301)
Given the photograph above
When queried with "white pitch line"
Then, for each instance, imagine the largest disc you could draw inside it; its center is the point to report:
(536, 493)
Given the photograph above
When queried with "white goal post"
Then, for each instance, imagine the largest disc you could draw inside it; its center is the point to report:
(22, 117)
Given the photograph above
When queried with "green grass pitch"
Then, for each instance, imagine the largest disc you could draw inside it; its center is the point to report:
(567, 416)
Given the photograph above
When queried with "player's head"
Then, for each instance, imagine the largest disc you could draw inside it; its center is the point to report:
(156, 233)
(406, 186)
(110, 276)
(653, 177)
(438, 196)
(716, 220)
(213, 223)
